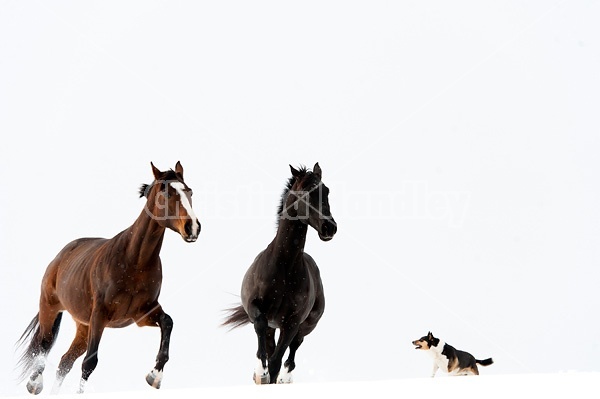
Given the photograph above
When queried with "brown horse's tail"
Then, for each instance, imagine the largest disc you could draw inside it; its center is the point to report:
(35, 346)
(237, 317)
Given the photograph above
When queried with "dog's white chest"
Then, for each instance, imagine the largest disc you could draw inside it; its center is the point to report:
(440, 360)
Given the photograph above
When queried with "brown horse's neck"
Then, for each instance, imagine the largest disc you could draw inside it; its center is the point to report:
(289, 241)
(145, 238)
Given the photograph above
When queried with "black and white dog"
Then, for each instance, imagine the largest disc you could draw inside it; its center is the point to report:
(449, 359)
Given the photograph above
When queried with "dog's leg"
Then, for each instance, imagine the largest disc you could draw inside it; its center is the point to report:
(435, 369)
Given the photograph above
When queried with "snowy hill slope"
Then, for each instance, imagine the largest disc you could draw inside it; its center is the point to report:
(571, 385)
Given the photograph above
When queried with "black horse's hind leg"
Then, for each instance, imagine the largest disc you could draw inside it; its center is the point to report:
(165, 322)
(270, 342)
(261, 373)
(285, 376)
(77, 348)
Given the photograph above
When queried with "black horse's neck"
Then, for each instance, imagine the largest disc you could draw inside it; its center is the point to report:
(288, 245)
(289, 241)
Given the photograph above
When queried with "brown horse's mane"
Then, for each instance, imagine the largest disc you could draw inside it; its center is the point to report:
(169, 175)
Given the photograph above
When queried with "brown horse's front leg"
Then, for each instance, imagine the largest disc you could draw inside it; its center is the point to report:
(97, 324)
(158, 317)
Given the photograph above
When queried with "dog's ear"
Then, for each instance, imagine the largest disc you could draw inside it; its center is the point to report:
(429, 335)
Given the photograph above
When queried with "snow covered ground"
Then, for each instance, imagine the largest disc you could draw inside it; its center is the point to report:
(459, 141)
(557, 385)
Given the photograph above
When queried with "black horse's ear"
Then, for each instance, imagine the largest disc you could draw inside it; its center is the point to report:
(317, 170)
(179, 169)
(157, 173)
(295, 173)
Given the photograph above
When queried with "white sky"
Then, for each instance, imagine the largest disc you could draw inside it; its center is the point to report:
(459, 140)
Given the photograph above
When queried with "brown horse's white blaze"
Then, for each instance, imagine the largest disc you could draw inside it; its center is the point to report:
(191, 227)
(110, 283)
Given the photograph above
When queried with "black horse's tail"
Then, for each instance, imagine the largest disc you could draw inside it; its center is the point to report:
(485, 362)
(237, 317)
(31, 338)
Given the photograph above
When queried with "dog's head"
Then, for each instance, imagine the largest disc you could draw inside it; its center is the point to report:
(426, 342)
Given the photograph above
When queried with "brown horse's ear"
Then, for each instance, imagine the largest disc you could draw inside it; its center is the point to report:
(179, 169)
(157, 173)
(317, 170)
(295, 173)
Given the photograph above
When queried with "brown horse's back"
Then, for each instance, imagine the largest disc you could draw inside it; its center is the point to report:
(125, 293)
(71, 268)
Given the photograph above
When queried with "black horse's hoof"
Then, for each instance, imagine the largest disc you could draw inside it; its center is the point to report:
(154, 378)
(285, 376)
(261, 379)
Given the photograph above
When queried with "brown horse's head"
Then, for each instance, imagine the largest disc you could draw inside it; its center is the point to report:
(308, 201)
(170, 202)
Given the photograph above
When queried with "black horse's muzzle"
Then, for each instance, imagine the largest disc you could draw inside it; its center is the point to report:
(328, 229)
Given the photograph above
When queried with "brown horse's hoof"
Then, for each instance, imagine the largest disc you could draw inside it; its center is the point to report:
(154, 378)
(35, 386)
(261, 379)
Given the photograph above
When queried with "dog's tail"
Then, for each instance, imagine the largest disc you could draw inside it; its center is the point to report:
(485, 362)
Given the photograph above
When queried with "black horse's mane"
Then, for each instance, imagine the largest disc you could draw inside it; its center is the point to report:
(169, 175)
(304, 173)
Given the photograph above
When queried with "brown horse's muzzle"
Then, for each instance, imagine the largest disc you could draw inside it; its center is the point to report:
(191, 230)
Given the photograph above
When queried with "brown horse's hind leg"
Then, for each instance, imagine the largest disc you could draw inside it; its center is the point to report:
(49, 319)
(77, 348)
(157, 317)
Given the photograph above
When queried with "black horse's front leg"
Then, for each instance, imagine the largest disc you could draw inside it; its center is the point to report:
(285, 375)
(285, 338)
(159, 318)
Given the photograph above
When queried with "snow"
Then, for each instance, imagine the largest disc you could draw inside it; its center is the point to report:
(459, 141)
(555, 385)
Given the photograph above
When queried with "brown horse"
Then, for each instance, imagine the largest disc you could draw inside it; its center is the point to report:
(282, 288)
(110, 283)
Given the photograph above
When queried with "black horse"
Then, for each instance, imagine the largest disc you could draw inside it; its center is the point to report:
(282, 288)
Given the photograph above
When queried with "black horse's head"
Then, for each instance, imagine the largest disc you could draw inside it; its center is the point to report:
(308, 201)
